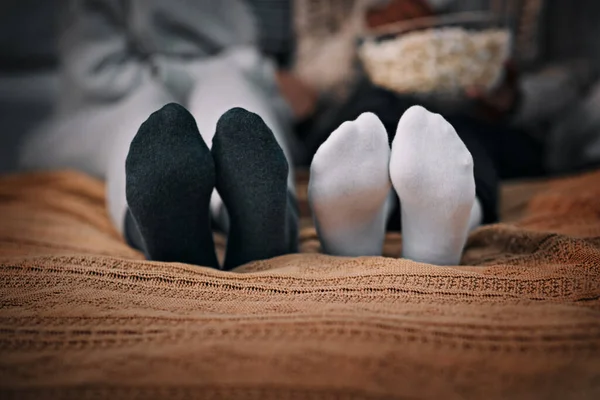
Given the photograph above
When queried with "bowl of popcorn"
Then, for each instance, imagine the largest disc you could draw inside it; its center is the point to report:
(437, 59)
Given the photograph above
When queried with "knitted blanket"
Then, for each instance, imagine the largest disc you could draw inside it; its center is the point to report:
(84, 316)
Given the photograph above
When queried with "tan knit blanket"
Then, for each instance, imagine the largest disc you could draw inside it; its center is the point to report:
(84, 316)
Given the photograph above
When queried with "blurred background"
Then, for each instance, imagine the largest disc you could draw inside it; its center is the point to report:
(28, 70)
(546, 85)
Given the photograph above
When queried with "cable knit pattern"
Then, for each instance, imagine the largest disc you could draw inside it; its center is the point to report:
(84, 316)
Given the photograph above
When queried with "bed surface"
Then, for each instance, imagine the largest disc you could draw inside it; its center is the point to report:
(83, 315)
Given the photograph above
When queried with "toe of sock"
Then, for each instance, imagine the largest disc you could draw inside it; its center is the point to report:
(243, 139)
(169, 115)
(237, 121)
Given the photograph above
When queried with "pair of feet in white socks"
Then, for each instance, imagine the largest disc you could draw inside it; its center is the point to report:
(429, 167)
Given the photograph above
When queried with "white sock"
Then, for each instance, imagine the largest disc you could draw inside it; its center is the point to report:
(432, 172)
(349, 186)
(476, 217)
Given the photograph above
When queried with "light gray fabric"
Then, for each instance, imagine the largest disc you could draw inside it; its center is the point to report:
(107, 46)
(122, 60)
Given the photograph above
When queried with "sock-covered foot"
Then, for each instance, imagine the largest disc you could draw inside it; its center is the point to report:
(252, 172)
(432, 173)
(348, 188)
(170, 177)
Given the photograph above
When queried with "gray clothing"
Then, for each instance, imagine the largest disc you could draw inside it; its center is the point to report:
(122, 60)
(108, 47)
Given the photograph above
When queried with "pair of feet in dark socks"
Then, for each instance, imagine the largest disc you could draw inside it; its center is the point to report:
(171, 174)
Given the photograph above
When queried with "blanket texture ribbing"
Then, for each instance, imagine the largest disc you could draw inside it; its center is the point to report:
(84, 316)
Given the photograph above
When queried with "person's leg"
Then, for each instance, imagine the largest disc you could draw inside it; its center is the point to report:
(432, 173)
(167, 172)
(164, 176)
(349, 186)
(95, 139)
(485, 208)
(349, 175)
(170, 175)
(239, 78)
(388, 106)
(485, 171)
(242, 79)
(251, 174)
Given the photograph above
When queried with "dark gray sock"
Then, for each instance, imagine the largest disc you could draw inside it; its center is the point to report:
(251, 171)
(170, 177)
